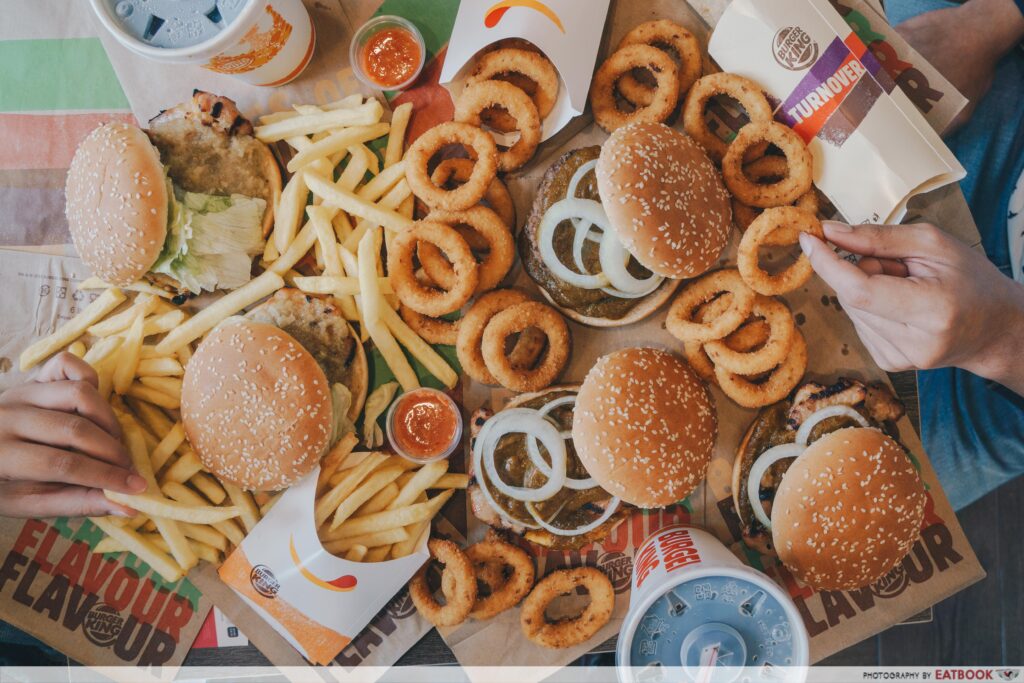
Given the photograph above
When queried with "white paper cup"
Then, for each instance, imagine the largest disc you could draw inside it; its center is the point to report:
(269, 43)
(696, 613)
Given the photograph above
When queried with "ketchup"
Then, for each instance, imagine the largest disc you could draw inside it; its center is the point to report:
(424, 424)
(390, 57)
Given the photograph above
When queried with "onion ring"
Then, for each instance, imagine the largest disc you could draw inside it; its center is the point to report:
(490, 574)
(602, 90)
(432, 330)
(516, 319)
(680, 322)
(777, 385)
(567, 632)
(533, 65)
(800, 165)
(496, 197)
(747, 259)
(485, 168)
(528, 422)
(482, 95)
(471, 331)
(771, 168)
(486, 223)
(657, 33)
(426, 300)
(749, 95)
(516, 587)
(460, 601)
(782, 327)
(747, 337)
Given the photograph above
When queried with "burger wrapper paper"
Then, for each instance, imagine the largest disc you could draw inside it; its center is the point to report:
(318, 602)
(942, 561)
(567, 31)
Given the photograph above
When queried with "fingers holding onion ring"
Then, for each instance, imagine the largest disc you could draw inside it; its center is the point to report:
(747, 260)
(481, 95)
(433, 330)
(799, 163)
(484, 222)
(485, 167)
(775, 387)
(680, 322)
(602, 90)
(749, 95)
(460, 601)
(567, 632)
(770, 354)
(515, 320)
(496, 197)
(669, 34)
(415, 295)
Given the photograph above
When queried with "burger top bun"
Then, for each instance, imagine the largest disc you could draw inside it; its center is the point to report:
(117, 203)
(665, 199)
(848, 510)
(256, 406)
(644, 426)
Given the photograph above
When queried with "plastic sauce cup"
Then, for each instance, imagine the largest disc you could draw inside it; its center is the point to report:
(370, 29)
(425, 403)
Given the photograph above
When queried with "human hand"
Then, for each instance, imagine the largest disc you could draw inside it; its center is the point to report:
(60, 445)
(921, 299)
(965, 43)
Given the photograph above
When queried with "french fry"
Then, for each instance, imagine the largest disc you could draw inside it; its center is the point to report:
(184, 355)
(419, 483)
(165, 385)
(289, 213)
(201, 550)
(391, 519)
(167, 446)
(249, 513)
(379, 186)
(378, 554)
(391, 201)
(183, 468)
(77, 349)
(336, 142)
(413, 533)
(452, 481)
(151, 395)
(320, 217)
(71, 330)
(209, 487)
(355, 169)
(421, 350)
(144, 305)
(396, 136)
(329, 465)
(138, 286)
(204, 534)
(299, 247)
(355, 205)
(102, 349)
(128, 356)
(163, 509)
(163, 366)
(374, 540)
(379, 501)
(365, 114)
(330, 284)
(204, 321)
(137, 544)
(372, 159)
(369, 251)
(329, 502)
(356, 553)
(165, 322)
(151, 416)
(363, 493)
(408, 207)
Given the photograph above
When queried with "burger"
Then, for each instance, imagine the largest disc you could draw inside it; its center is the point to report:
(614, 228)
(563, 467)
(267, 394)
(822, 482)
(184, 205)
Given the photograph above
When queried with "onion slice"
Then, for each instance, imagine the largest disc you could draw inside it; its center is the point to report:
(482, 482)
(757, 470)
(613, 505)
(614, 258)
(817, 416)
(562, 210)
(533, 450)
(530, 423)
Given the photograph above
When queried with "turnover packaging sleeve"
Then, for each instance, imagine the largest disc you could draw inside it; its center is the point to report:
(567, 31)
(836, 94)
(940, 564)
(317, 601)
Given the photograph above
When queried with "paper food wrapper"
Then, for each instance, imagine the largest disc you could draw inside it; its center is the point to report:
(100, 610)
(837, 96)
(317, 601)
(940, 564)
(567, 31)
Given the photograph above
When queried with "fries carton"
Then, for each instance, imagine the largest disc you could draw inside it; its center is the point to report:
(567, 31)
(836, 94)
(318, 602)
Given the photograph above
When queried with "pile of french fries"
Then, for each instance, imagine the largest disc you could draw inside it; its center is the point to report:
(370, 506)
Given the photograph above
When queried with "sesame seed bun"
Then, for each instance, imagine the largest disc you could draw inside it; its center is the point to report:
(848, 510)
(645, 426)
(665, 199)
(256, 406)
(117, 203)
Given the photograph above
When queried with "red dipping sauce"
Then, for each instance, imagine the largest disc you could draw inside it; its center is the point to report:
(391, 57)
(424, 425)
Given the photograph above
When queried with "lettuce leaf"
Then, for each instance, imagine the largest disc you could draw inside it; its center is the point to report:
(341, 401)
(211, 239)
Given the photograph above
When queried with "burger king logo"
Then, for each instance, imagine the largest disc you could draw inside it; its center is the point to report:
(264, 582)
(400, 606)
(102, 625)
(617, 567)
(892, 584)
(794, 49)
(495, 12)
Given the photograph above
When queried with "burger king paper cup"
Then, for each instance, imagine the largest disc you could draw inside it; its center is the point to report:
(568, 32)
(696, 613)
(263, 42)
(318, 602)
